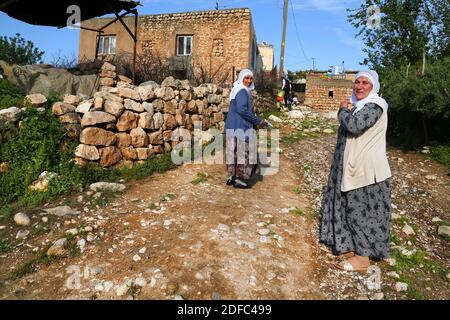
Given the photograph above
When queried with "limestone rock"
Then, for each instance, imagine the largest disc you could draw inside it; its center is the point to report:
(170, 107)
(60, 211)
(165, 93)
(107, 186)
(109, 156)
(170, 122)
(87, 152)
(139, 138)
(214, 99)
(127, 121)
(129, 93)
(146, 92)
(97, 117)
(146, 120)
(155, 138)
(35, 100)
(444, 231)
(144, 153)
(97, 137)
(58, 248)
(60, 108)
(123, 140)
(133, 105)
(84, 107)
(71, 118)
(72, 99)
(158, 120)
(129, 153)
(9, 115)
(113, 107)
(22, 219)
(295, 114)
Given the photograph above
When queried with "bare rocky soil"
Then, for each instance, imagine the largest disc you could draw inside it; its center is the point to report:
(166, 237)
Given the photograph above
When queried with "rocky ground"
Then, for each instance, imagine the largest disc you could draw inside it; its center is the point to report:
(183, 234)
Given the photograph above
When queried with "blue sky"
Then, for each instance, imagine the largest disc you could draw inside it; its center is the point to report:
(322, 28)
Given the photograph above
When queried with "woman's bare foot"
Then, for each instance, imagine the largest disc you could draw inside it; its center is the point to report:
(356, 263)
(349, 254)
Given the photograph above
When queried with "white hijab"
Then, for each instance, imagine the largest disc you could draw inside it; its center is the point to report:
(239, 85)
(373, 96)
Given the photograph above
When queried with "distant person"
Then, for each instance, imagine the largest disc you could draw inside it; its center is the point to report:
(287, 88)
(356, 208)
(240, 134)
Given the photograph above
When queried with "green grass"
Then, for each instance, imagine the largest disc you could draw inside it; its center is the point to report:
(200, 178)
(441, 154)
(5, 246)
(105, 198)
(297, 211)
(296, 190)
(152, 206)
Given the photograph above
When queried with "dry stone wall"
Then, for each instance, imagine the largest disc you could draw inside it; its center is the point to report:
(123, 123)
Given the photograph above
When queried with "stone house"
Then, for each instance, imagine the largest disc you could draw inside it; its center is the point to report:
(216, 42)
(326, 93)
(267, 54)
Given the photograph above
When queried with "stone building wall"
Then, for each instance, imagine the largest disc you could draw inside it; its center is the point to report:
(222, 39)
(323, 93)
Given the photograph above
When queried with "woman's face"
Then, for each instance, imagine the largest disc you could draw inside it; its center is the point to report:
(248, 80)
(362, 88)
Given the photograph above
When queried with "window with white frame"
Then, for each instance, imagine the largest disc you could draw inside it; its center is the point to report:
(107, 45)
(184, 45)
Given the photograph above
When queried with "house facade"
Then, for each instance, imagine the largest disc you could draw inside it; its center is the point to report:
(217, 42)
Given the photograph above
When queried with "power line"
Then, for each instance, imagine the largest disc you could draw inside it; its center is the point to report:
(298, 33)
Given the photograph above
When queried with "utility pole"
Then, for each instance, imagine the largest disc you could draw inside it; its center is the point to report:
(314, 63)
(283, 38)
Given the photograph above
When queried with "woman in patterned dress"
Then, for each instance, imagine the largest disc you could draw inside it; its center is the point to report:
(356, 208)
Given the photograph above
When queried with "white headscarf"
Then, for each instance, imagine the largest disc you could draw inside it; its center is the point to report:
(239, 85)
(373, 96)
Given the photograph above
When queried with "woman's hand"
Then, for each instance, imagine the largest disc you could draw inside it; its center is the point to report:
(261, 125)
(346, 104)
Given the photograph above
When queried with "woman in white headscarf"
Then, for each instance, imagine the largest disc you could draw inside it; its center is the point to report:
(240, 134)
(356, 208)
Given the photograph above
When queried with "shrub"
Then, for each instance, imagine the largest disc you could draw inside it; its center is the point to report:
(10, 94)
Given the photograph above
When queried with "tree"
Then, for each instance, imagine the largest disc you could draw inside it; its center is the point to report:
(407, 29)
(19, 51)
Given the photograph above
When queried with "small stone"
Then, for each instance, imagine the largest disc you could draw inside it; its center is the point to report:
(22, 219)
(58, 248)
(73, 231)
(393, 274)
(22, 234)
(142, 250)
(178, 297)
(172, 288)
(391, 261)
(378, 296)
(136, 258)
(199, 276)
(141, 282)
(408, 230)
(108, 285)
(431, 177)
(328, 131)
(99, 287)
(436, 219)
(81, 244)
(216, 296)
(444, 231)
(401, 286)
(264, 232)
(223, 227)
(121, 290)
(106, 186)
(44, 219)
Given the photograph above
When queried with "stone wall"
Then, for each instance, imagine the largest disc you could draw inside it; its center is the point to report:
(222, 39)
(123, 123)
(319, 88)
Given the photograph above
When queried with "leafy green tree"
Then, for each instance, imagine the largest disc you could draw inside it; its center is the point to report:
(19, 51)
(407, 29)
(419, 103)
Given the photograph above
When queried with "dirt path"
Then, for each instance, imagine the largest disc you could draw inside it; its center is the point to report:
(166, 237)
(207, 241)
